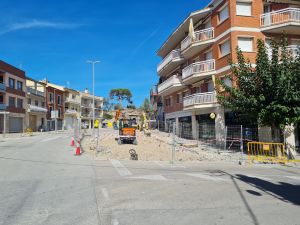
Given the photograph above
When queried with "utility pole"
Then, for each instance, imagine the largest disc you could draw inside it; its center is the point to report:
(93, 66)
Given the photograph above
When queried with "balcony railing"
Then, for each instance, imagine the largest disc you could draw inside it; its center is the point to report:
(200, 36)
(2, 87)
(280, 16)
(35, 92)
(2, 106)
(34, 108)
(70, 111)
(72, 100)
(198, 68)
(173, 80)
(293, 50)
(200, 99)
(175, 54)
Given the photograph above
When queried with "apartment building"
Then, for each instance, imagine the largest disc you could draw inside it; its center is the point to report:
(12, 98)
(55, 97)
(72, 108)
(36, 110)
(197, 53)
(87, 109)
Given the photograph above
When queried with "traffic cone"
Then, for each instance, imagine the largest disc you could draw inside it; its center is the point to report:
(78, 151)
(72, 142)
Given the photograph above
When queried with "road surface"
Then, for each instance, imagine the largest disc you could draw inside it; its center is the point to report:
(42, 182)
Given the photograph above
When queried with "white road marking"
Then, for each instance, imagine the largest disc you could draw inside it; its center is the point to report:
(50, 139)
(121, 169)
(205, 176)
(150, 177)
(105, 193)
(293, 177)
(115, 222)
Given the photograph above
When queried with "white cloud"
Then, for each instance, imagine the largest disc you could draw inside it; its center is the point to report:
(37, 24)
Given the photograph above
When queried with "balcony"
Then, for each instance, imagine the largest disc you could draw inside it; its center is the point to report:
(287, 20)
(203, 39)
(72, 101)
(170, 85)
(200, 101)
(35, 92)
(36, 109)
(198, 70)
(70, 112)
(2, 106)
(170, 62)
(2, 87)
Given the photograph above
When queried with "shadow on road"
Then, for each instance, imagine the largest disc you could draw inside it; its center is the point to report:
(283, 191)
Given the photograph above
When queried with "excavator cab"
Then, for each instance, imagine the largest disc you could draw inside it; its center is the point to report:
(127, 132)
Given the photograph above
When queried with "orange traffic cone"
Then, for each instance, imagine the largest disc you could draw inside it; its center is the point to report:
(78, 151)
(72, 142)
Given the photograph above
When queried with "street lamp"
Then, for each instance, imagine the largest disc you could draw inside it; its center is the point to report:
(93, 64)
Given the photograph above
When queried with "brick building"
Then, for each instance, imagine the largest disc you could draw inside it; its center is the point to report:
(12, 98)
(197, 53)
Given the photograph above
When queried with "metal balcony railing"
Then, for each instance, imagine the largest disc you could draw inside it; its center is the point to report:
(201, 35)
(199, 99)
(198, 68)
(280, 16)
(175, 54)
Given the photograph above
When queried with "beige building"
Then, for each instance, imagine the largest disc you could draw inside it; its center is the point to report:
(36, 110)
(72, 108)
(87, 109)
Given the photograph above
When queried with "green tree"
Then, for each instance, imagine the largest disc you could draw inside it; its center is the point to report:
(107, 105)
(269, 93)
(121, 94)
(146, 106)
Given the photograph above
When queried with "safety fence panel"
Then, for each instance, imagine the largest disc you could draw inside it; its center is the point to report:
(266, 152)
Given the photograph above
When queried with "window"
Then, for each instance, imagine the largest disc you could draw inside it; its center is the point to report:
(227, 81)
(12, 102)
(29, 101)
(223, 14)
(58, 99)
(20, 103)
(1, 99)
(178, 98)
(42, 121)
(210, 86)
(225, 48)
(36, 103)
(50, 109)
(12, 83)
(51, 97)
(245, 44)
(244, 9)
(1, 79)
(19, 85)
(59, 112)
(43, 104)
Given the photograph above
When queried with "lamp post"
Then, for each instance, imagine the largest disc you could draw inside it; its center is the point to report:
(93, 65)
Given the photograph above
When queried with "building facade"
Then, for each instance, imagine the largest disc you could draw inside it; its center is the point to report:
(197, 53)
(55, 102)
(36, 109)
(87, 109)
(12, 98)
(72, 108)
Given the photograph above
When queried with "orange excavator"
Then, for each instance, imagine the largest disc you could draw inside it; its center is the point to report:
(127, 131)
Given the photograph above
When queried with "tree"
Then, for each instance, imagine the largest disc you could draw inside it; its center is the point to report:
(269, 93)
(131, 106)
(146, 106)
(107, 105)
(121, 94)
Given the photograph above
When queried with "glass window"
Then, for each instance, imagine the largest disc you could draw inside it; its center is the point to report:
(12, 83)
(12, 102)
(225, 48)
(223, 14)
(20, 103)
(20, 85)
(1, 79)
(43, 104)
(245, 44)
(227, 81)
(244, 9)
(50, 109)
(59, 112)
(58, 99)
(29, 101)
(1, 99)
(36, 103)
(51, 97)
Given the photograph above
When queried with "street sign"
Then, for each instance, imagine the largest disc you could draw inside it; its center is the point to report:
(54, 114)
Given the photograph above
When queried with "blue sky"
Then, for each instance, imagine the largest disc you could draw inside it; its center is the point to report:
(54, 39)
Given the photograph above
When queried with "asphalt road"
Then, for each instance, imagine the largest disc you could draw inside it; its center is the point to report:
(42, 182)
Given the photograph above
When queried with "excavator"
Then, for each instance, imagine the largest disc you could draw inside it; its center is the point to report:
(127, 130)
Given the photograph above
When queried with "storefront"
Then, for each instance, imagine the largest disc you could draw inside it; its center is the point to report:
(207, 129)
(185, 127)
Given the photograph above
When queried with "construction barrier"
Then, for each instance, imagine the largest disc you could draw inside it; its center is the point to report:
(266, 152)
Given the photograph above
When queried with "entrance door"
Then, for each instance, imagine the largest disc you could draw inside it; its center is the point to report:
(32, 122)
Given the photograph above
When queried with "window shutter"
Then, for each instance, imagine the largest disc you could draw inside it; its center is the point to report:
(245, 44)
(243, 9)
